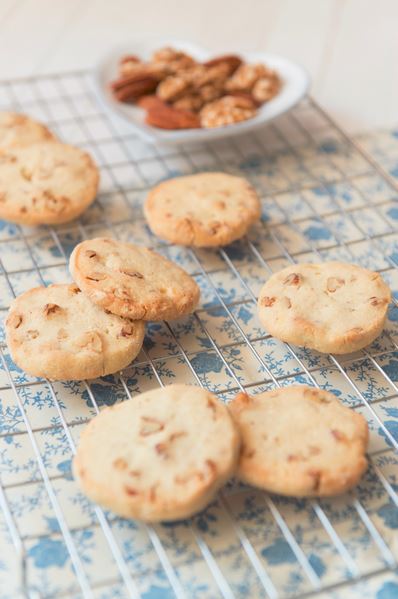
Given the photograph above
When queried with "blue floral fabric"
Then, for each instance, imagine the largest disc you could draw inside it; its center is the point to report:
(321, 200)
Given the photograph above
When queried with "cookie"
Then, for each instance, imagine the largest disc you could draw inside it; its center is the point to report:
(18, 130)
(203, 210)
(332, 307)
(148, 458)
(55, 332)
(132, 281)
(46, 183)
(299, 441)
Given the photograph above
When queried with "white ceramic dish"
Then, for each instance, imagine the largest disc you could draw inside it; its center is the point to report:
(295, 86)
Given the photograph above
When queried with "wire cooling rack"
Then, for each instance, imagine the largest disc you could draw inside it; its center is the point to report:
(323, 198)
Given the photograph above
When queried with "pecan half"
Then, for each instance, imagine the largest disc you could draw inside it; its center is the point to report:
(149, 101)
(128, 89)
(168, 117)
(231, 61)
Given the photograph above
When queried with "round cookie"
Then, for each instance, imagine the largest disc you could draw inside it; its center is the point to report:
(55, 332)
(46, 183)
(299, 441)
(332, 307)
(147, 458)
(18, 130)
(132, 281)
(203, 210)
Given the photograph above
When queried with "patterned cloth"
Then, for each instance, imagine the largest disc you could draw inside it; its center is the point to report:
(322, 199)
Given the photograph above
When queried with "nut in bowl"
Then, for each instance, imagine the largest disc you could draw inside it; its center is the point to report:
(174, 92)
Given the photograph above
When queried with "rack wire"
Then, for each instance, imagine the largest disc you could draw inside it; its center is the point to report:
(323, 198)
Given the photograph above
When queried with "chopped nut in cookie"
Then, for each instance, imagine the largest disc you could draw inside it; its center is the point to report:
(292, 279)
(50, 309)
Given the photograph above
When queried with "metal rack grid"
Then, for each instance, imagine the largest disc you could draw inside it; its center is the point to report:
(303, 152)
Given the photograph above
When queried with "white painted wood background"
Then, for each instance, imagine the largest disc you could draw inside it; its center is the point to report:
(350, 47)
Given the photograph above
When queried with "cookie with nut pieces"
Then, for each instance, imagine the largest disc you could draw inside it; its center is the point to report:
(132, 281)
(55, 332)
(18, 130)
(299, 441)
(332, 307)
(202, 210)
(46, 183)
(147, 458)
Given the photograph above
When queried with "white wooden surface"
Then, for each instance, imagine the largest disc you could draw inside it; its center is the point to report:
(350, 47)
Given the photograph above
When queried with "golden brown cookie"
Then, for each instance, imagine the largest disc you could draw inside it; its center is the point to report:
(333, 307)
(55, 332)
(159, 456)
(46, 183)
(299, 441)
(203, 210)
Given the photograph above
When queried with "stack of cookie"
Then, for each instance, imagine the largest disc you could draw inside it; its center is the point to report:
(147, 458)
(96, 326)
(42, 181)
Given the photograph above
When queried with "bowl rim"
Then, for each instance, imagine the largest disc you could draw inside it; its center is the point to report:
(296, 79)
